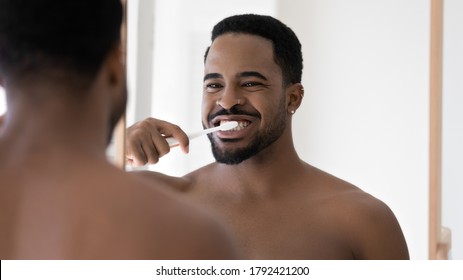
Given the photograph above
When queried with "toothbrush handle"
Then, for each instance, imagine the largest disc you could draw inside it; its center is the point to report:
(229, 125)
(174, 143)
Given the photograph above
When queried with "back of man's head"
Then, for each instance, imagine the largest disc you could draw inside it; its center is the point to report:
(41, 37)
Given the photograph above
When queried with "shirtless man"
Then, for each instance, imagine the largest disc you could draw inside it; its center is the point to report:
(60, 198)
(278, 206)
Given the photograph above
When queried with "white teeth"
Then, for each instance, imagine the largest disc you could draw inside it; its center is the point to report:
(241, 125)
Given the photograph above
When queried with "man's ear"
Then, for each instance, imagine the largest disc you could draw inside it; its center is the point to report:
(294, 96)
(115, 83)
(115, 64)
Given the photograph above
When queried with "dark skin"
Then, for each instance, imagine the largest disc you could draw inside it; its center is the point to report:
(61, 199)
(278, 206)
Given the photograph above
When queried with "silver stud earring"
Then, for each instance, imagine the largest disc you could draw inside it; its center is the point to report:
(292, 112)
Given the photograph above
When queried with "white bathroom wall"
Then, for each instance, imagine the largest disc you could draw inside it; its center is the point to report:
(452, 128)
(140, 26)
(365, 113)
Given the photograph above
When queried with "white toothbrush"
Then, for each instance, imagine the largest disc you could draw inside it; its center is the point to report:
(225, 126)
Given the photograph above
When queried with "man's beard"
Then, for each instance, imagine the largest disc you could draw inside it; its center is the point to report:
(259, 143)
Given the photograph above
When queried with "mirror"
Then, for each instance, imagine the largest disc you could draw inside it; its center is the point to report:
(365, 117)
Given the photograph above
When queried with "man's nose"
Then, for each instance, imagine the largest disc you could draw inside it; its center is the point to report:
(229, 98)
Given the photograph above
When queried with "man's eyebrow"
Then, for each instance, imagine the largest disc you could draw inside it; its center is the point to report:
(239, 75)
(251, 74)
(212, 76)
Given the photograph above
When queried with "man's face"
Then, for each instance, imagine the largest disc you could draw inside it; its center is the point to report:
(243, 83)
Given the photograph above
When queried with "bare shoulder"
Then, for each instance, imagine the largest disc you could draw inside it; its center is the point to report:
(198, 234)
(203, 174)
(121, 216)
(171, 182)
(170, 225)
(374, 231)
(366, 223)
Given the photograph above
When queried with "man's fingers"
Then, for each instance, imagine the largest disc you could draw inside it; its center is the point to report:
(136, 156)
(178, 134)
(146, 141)
(162, 147)
(151, 152)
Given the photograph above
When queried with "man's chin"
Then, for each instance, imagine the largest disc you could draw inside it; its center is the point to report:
(233, 157)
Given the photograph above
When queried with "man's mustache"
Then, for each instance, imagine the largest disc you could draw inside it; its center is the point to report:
(233, 111)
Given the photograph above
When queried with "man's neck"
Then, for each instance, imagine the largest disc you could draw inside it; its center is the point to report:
(268, 171)
(54, 126)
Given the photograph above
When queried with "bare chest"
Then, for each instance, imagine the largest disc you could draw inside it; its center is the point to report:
(279, 228)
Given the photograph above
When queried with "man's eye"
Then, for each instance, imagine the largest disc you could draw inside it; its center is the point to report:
(251, 84)
(213, 87)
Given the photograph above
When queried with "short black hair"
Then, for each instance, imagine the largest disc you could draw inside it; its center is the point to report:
(37, 36)
(286, 45)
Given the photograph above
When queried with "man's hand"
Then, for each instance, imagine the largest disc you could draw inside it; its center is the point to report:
(146, 141)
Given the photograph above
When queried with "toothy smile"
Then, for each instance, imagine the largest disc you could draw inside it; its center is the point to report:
(241, 124)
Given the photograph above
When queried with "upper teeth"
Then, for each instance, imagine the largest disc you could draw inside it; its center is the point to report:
(241, 125)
